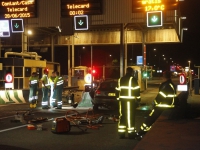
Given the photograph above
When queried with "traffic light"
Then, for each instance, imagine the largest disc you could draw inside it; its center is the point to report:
(17, 25)
(154, 19)
(81, 22)
(144, 74)
(93, 71)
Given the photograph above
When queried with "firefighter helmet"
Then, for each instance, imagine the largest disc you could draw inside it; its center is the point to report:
(46, 70)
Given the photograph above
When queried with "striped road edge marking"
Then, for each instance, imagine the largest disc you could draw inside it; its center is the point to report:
(3, 97)
(12, 97)
(16, 93)
(20, 95)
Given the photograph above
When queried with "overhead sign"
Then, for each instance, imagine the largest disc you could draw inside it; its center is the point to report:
(153, 5)
(17, 25)
(81, 22)
(77, 7)
(8, 78)
(4, 28)
(154, 19)
(182, 79)
(18, 9)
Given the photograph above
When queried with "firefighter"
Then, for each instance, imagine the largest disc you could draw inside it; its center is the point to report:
(45, 89)
(129, 96)
(51, 81)
(165, 99)
(58, 88)
(33, 84)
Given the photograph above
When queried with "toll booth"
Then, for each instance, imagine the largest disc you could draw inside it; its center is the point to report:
(81, 73)
(138, 74)
(21, 69)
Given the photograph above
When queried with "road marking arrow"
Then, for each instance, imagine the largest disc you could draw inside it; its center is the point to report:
(80, 22)
(154, 18)
(16, 25)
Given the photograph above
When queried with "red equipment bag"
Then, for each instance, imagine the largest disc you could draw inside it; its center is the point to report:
(60, 125)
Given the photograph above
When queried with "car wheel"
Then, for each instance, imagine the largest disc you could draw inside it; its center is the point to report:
(95, 107)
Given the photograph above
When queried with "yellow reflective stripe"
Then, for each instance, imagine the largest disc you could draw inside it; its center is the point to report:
(117, 89)
(138, 97)
(120, 130)
(131, 129)
(170, 95)
(127, 97)
(165, 105)
(151, 112)
(122, 127)
(129, 88)
(128, 114)
(163, 94)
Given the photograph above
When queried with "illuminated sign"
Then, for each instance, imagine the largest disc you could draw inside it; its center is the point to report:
(17, 25)
(77, 7)
(139, 60)
(4, 28)
(154, 19)
(153, 5)
(81, 22)
(18, 9)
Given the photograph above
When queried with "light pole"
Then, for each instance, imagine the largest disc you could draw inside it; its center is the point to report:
(180, 23)
(29, 33)
(182, 33)
(190, 77)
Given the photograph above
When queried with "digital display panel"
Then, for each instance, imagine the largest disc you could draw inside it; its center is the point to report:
(153, 5)
(18, 9)
(77, 7)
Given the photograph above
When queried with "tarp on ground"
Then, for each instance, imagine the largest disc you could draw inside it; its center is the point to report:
(86, 100)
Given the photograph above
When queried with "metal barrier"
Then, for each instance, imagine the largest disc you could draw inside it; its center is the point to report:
(11, 96)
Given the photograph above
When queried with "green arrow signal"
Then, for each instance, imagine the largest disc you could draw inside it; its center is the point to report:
(154, 18)
(16, 25)
(80, 22)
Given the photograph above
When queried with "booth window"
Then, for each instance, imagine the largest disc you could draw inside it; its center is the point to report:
(27, 71)
(18, 72)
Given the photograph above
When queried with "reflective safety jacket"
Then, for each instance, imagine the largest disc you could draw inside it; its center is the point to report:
(58, 81)
(46, 81)
(128, 88)
(166, 95)
(33, 80)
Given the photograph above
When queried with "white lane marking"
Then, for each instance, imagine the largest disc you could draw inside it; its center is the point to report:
(13, 128)
(7, 117)
(26, 124)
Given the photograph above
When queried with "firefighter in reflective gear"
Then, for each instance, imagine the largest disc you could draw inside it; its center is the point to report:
(45, 89)
(129, 95)
(58, 88)
(33, 84)
(165, 99)
(51, 81)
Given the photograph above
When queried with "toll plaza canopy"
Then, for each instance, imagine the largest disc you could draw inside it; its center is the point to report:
(109, 21)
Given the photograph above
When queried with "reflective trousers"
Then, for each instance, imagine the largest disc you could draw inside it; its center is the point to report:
(52, 100)
(45, 97)
(57, 95)
(127, 109)
(152, 117)
(33, 93)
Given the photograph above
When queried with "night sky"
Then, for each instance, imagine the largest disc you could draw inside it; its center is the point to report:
(180, 53)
